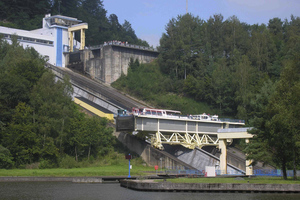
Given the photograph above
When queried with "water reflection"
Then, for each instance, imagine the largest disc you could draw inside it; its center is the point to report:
(66, 190)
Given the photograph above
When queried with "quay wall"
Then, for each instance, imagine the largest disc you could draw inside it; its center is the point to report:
(52, 179)
(208, 187)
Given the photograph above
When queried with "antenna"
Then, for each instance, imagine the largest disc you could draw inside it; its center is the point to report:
(186, 6)
(59, 2)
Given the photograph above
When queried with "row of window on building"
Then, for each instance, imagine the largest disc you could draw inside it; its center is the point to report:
(28, 39)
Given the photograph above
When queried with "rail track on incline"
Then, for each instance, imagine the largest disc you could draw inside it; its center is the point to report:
(103, 90)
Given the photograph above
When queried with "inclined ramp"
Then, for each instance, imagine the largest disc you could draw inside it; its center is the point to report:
(110, 99)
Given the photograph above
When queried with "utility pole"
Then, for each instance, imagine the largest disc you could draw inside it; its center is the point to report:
(187, 6)
(59, 2)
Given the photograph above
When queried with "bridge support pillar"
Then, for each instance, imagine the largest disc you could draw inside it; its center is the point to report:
(223, 156)
(249, 169)
(82, 39)
(71, 38)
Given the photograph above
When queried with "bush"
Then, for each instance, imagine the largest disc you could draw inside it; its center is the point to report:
(32, 166)
(6, 161)
(68, 162)
(46, 164)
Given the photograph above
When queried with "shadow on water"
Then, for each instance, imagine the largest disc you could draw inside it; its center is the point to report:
(68, 190)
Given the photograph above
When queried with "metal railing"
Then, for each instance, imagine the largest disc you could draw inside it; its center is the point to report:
(230, 130)
(229, 173)
(124, 45)
(274, 172)
(190, 172)
(232, 120)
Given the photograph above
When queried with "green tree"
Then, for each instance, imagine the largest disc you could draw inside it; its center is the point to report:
(285, 108)
(277, 125)
(245, 79)
(215, 35)
(98, 137)
(129, 34)
(6, 160)
(20, 137)
(51, 102)
(26, 14)
(19, 71)
(75, 135)
(223, 88)
(179, 47)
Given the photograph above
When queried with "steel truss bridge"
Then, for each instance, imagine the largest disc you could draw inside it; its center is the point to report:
(188, 132)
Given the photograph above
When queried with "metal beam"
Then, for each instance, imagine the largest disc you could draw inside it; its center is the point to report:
(187, 140)
(78, 27)
(235, 135)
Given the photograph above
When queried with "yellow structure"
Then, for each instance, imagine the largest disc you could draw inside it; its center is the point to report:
(188, 140)
(78, 27)
(94, 110)
(193, 140)
(227, 136)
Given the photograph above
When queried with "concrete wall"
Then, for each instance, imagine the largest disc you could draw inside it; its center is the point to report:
(107, 63)
(149, 154)
(199, 158)
(208, 187)
(86, 92)
(43, 49)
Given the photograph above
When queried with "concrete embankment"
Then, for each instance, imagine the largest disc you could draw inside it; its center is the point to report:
(165, 186)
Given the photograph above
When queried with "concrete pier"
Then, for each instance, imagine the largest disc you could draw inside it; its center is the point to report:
(165, 186)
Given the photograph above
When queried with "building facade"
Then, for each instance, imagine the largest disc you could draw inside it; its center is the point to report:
(51, 41)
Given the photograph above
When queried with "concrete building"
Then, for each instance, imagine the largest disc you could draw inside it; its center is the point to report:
(52, 40)
(104, 62)
(108, 62)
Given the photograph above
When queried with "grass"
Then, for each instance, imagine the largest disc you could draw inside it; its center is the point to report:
(117, 170)
(137, 170)
(252, 180)
(112, 164)
(150, 85)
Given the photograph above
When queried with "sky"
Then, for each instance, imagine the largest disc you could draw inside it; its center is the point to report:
(149, 17)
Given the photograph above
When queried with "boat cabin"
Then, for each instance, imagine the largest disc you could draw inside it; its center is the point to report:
(206, 117)
(155, 112)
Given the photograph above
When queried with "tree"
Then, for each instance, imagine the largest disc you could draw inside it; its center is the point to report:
(75, 135)
(98, 137)
(222, 86)
(245, 79)
(215, 35)
(20, 137)
(20, 70)
(6, 160)
(129, 34)
(262, 50)
(26, 14)
(51, 102)
(285, 107)
(180, 46)
(277, 127)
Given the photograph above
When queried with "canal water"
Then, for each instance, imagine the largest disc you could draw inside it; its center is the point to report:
(78, 191)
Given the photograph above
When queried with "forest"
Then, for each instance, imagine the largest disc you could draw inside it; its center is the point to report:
(28, 15)
(250, 72)
(39, 122)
